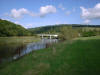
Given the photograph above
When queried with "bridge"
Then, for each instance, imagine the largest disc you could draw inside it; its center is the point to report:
(50, 36)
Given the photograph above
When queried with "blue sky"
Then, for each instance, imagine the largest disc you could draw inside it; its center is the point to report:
(35, 13)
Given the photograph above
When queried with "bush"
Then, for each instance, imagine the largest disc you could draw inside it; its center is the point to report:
(88, 33)
(67, 33)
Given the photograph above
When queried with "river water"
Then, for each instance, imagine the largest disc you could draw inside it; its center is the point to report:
(15, 51)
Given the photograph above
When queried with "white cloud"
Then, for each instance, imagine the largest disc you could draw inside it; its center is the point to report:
(16, 22)
(97, 6)
(44, 10)
(91, 13)
(61, 7)
(20, 12)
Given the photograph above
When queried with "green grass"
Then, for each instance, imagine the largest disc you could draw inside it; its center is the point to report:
(88, 38)
(8, 45)
(78, 57)
(24, 39)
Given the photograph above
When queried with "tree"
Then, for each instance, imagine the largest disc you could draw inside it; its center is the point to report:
(8, 28)
(67, 33)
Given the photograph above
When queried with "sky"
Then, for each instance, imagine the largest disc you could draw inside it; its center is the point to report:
(36, 13)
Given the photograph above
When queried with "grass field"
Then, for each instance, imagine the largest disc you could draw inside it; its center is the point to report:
(23, 39)
(78, 57)
(88, 38)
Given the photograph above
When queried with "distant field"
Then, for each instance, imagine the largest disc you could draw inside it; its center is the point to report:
(78, 57)
(88, 38)
(18, 39)
(91, 28)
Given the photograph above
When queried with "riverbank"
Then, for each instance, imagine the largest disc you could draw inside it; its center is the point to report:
(78, 57)
(10, 46)
(24, 39)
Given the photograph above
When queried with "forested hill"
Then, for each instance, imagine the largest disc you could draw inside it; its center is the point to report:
(57, 28)
(8, 28)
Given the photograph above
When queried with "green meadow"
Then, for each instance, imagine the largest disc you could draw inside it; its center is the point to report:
(77, 57)
(22, 39)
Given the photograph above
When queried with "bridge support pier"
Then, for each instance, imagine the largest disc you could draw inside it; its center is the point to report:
(42, 36)
(50, 37)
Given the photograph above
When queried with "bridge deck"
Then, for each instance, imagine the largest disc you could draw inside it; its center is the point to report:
(48, 35)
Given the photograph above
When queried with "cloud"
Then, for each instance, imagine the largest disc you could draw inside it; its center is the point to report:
(91, 13)
(19, 13)
(44, 10)
(61, 7)
(16, 22)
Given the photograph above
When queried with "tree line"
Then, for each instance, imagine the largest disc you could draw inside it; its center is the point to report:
(66, 31)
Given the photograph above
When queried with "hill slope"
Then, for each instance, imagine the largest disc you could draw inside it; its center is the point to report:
(56, 28)
(8, 28)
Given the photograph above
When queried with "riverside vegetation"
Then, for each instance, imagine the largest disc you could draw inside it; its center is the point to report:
(9, 46)
(77, 54)
(9, 29)
(76, 57)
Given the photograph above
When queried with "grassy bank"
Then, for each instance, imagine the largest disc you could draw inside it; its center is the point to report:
(88, 38)
(10, 45)
(24, 39)
(78, 57)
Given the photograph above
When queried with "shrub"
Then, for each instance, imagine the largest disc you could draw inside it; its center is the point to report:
(67, 33)
(88, 33)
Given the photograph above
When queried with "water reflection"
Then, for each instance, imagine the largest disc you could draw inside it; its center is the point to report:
(9, 52)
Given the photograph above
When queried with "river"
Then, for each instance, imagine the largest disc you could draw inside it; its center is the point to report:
(15, 51)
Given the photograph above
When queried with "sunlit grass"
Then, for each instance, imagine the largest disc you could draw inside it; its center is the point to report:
(18, 39)
(81, 57)
(88, 38)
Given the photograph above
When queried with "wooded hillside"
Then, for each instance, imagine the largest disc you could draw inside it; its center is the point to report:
(8, 28)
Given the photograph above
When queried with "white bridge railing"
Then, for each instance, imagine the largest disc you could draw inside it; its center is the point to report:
(48, 35)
